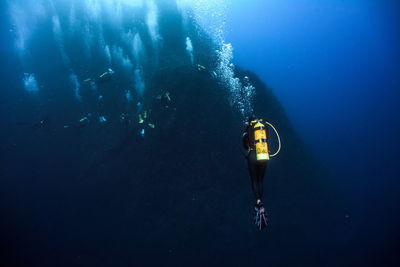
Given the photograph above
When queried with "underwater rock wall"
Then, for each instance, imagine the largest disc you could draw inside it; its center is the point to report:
(146, 160)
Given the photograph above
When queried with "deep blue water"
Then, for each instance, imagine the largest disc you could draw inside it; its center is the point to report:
(334, 66)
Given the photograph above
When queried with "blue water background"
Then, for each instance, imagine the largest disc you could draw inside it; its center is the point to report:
(335, 66)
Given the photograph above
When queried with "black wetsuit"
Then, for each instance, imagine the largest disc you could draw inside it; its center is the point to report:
(256, 168)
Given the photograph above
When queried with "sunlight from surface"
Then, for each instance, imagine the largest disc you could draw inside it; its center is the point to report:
(136, 3)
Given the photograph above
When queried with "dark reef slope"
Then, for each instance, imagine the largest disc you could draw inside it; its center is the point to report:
(103, 195)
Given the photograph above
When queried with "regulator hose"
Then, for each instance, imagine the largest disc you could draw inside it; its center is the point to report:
(279, 139)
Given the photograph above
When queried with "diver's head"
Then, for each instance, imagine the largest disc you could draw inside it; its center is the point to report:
(251, 118)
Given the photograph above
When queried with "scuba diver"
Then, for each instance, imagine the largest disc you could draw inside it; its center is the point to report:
(83, 122)
(42, 123)
(144, 121)
(106, 76)
(125, 118)
(255, 141)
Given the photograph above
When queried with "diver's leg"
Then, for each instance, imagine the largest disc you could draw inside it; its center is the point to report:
(261, 168)
(252, 166)
(260, 214)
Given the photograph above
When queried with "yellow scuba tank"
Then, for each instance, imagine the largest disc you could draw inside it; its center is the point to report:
(260, 141)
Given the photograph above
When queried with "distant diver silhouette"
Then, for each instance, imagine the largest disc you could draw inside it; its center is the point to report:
(255, 141)
(42, 123)
(82, 123)
(125, 118)
(106, 76)
(45, 121)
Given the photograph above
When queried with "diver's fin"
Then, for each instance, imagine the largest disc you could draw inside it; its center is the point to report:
(260, 218)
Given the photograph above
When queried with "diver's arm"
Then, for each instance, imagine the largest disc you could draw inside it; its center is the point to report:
(245, 140)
